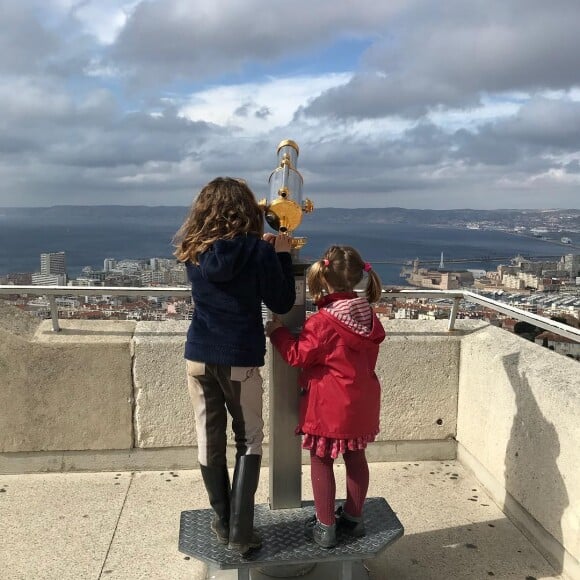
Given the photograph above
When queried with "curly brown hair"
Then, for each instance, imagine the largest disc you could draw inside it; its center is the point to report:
(341, 268)
(224, 208)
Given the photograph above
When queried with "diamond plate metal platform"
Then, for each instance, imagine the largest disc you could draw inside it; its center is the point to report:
(284, 542)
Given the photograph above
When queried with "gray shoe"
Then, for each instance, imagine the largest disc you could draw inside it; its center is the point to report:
(221, 530)
(243, 548)
(309, 526)
(323, 535)
(349, 524)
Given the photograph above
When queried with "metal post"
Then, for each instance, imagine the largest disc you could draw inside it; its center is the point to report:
(54, 313)
(453, 314)
(346, 572)
(285, 453)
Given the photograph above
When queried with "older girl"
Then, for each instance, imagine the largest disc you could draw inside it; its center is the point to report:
(232, 271)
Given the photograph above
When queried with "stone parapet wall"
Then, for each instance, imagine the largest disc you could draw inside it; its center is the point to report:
(120, 385)
(519, 430)
(419, 401)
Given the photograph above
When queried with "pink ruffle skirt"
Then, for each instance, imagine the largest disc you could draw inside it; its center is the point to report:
(329, 447)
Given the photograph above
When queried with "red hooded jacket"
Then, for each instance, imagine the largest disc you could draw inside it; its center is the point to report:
(340, 390)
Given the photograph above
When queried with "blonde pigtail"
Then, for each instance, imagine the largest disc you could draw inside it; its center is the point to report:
(315, 280)
(374, 287)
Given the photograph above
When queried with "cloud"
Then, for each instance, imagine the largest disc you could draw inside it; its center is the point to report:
(24, 43)
(542, 132)
(451, 104)
(256, 107)
(179, 39)
(263, 113)
(104, 19)
(448, 55)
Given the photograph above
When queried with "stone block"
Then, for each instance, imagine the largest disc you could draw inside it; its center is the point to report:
(418, 368)
(163, 412)
(70, 390)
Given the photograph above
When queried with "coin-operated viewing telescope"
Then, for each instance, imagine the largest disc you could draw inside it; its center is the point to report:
(283, 211)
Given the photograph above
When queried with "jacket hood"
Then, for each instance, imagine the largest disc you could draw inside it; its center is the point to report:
(226, 258)
(354, 319)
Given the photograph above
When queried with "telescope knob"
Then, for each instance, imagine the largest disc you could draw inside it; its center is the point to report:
(307, 206)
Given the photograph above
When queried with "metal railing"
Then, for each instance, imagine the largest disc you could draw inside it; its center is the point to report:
(53, 291)
(458, 295)
(183, 292)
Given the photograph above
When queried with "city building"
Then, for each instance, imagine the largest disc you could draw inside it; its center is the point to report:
(559, 344)
(439, 279)
(53, 263)
(52, 270)
(109, 264)
(570, 263)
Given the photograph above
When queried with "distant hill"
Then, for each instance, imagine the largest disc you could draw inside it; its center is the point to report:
(174, 215)
(63, 214)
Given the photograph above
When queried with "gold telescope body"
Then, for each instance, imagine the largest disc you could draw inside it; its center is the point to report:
(285, 208)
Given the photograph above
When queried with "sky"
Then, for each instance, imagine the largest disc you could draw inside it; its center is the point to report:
(408, 103)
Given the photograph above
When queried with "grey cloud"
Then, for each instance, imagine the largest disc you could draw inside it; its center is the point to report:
(242, 110)
(135, 139)
(68, 143)
(424, 167)
(24, 43)
(250, 108)
(542, 127)
(180, 39)
(95, 151)
(573, 167)
(36, 42)
(262, 113)
(12, 143)
(446, 55)
(373, 95)
(545, 122)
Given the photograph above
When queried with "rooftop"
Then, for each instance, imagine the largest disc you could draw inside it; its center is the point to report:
(478, 451)
(125, 525)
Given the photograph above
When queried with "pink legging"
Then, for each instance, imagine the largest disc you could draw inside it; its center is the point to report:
(324, 485)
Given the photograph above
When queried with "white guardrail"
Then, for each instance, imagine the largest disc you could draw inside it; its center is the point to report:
(456, 295)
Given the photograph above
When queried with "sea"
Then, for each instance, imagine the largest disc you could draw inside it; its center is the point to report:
(386, 246)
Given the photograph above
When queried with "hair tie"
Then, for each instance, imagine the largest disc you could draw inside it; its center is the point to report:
(326, 262)
(367, 267)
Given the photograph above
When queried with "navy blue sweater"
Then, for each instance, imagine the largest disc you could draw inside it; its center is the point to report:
(228, 287)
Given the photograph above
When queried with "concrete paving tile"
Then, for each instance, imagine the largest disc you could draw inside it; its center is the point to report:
(453, 530)
(145, 543)
(58, 526)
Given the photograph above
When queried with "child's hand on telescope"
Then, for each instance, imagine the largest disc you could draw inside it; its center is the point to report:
(272, 325)
(270, 238)
(283, 243)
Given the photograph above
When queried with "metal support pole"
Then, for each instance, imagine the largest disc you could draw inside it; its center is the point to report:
(54, 313)
(453, 314)
(346, 572)
(285, 452)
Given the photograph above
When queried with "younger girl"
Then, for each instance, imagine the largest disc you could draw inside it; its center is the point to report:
(232, 271)
(339, 414)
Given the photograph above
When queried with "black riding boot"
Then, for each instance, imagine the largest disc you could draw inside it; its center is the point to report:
(217, 484)
(243, 537)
